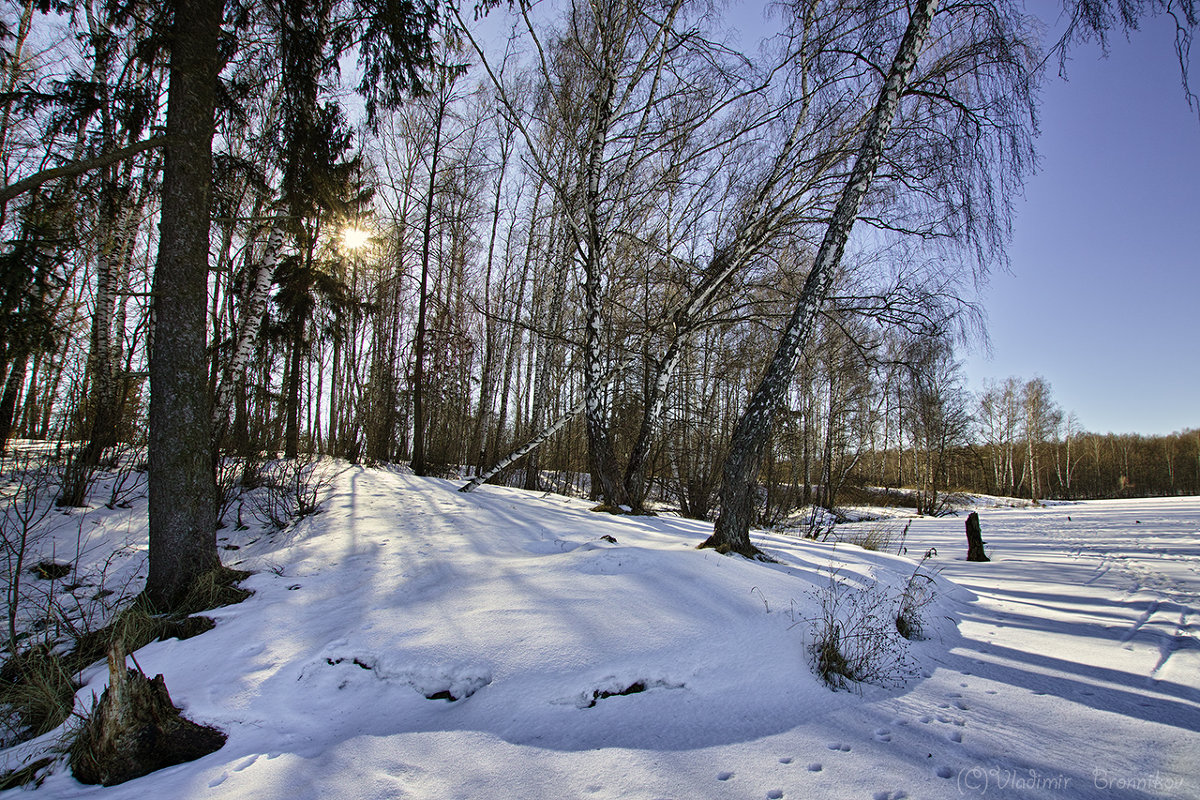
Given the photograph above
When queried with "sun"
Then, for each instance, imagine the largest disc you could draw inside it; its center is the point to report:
(355, 238)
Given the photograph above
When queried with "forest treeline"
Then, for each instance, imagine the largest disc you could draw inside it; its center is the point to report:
(601, 222)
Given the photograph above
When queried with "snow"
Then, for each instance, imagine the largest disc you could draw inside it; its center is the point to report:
(1067, 667)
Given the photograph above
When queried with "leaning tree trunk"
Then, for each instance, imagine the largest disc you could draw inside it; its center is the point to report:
(542, 435)
(753, 431)
(182, 485)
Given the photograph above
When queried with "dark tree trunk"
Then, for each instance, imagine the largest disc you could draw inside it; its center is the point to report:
(182, 484)
(753, 431)
(975, 541)
(291, 438)
(8, 402)
(418, 383)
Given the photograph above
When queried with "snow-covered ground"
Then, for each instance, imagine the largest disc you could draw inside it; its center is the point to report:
(1067, 667)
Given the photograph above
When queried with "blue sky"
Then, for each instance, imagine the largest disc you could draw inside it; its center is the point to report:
(1103, 299)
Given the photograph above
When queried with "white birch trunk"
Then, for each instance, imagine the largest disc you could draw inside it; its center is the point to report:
(750, 437)
(252, 318)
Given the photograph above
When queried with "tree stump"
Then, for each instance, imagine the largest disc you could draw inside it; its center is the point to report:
(975, 541)
(135, 729)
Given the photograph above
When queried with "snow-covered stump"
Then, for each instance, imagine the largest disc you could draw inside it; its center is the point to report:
(975, 539)
(135, 729)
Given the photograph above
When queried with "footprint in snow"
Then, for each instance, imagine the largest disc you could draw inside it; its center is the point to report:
(955, 736)
(896, 794)
(839, 747)
(815, 767)
(883, 735)
(215, 782)
(724, 776)
(246, 763)
(944, 772)
(961, 705)
(785, 760)
(775, 794)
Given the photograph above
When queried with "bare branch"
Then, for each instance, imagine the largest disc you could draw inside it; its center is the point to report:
(74, 168)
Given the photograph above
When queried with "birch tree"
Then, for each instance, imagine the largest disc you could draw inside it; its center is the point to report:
(731, 533)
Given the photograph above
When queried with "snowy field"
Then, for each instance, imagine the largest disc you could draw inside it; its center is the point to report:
(1068, 667)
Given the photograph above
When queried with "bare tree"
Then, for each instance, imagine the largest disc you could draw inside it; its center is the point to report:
(1041, 420)
(731, 534)
(939, 412)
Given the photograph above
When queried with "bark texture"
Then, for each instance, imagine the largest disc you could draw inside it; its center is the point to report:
(182, 484)
(251, 323)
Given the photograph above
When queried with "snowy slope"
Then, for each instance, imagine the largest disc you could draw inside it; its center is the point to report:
(1071, 655)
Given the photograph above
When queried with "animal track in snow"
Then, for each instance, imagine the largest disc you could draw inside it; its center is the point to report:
(954, 736)
(883, 735)
(785, 760)
(724, 776)
(840, 747)
(246, 763)
(815, 766)
(611, 561)
(775, 794)
(944, 772)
